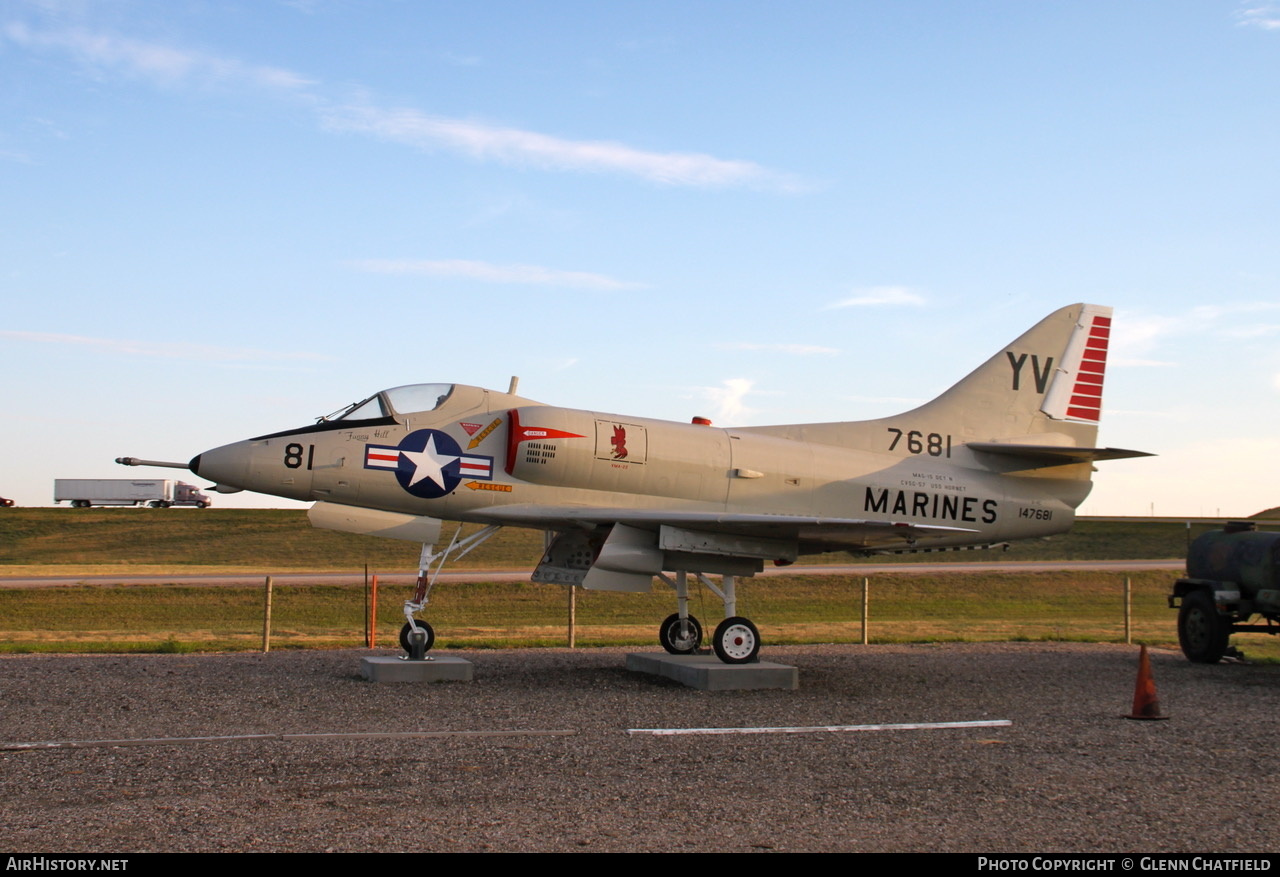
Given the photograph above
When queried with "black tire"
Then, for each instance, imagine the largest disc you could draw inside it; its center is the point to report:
(736, 641)
(1202, 632)
(156, 504)
(680, 641)
(202, 505)
(404, 636)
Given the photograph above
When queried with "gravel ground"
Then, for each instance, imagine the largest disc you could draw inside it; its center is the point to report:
(1068, 775)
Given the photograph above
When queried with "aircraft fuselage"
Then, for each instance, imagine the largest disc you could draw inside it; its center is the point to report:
(481, 449)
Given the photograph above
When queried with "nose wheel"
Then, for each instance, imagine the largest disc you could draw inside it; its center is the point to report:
(406, 637)
(736, 641)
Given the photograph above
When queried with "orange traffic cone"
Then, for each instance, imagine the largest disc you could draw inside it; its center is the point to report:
(1146, 705)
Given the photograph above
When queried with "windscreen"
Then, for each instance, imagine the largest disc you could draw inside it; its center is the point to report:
(409, 399)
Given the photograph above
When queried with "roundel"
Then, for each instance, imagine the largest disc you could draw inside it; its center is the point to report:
(430, 463)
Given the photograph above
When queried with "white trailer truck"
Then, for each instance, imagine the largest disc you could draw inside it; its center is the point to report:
(159, 493)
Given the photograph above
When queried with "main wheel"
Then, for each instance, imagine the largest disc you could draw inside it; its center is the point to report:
(680, 636)
(1202, 632)
(404, 636)
(736, 641)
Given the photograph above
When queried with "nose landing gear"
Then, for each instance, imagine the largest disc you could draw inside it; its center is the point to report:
(417, 636)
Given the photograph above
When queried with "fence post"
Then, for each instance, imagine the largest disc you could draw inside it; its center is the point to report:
(373, 617)
(866, 595)
(266, 616)
(1128, 611)
(573, 615)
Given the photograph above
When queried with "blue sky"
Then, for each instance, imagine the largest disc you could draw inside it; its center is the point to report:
(227, 218)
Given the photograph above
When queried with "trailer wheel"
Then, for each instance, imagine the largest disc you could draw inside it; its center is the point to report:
(1202, 632)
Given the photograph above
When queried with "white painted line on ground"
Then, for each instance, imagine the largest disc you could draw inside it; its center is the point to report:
(822, 729)
(238, 738)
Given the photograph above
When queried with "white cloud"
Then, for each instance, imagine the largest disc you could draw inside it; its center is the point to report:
(514, 146)
(490, 273)
(727, 399)
(171, 66)
(879, 295)
(1136, 335)
(1137, 362)
(1255, 331)
(461, 60)
(152, 61)
(794, 349)
(162, 349)
(1265, 16)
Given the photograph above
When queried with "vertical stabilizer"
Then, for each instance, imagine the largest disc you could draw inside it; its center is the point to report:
(1045, 388)
(1046, 383)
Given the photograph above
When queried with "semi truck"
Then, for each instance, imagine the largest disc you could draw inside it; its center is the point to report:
(1233, 574)
(159, 493)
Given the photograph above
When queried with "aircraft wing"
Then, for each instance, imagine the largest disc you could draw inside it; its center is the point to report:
(812, 533)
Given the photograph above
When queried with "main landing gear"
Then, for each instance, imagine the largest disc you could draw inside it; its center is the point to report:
(735, 641)
(417, 636)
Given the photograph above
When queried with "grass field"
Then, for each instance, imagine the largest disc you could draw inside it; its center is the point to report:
(282, 540)
(791, 609)
(788, 609)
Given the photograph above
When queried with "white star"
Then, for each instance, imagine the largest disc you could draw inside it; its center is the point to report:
(427, 463)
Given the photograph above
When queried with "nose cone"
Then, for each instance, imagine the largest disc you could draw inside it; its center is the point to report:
(227, 466)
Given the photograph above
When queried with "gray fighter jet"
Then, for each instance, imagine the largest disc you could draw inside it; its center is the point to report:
(1004, 454)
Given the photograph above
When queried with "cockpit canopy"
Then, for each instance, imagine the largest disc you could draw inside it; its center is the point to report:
(409, 399)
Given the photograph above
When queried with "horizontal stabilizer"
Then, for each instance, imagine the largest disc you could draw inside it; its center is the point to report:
(1054, 455)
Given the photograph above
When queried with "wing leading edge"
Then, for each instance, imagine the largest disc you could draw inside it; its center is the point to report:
(810, 533)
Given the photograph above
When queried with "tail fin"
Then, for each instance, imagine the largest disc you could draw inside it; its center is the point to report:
(1038, 400)
(1047, 384)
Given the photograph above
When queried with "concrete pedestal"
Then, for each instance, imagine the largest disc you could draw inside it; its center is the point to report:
(709, 673)
(437, 668)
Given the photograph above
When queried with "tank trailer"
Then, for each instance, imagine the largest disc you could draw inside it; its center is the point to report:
(1233, 574)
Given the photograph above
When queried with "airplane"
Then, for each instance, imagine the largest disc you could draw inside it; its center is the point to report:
(1004, 454)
